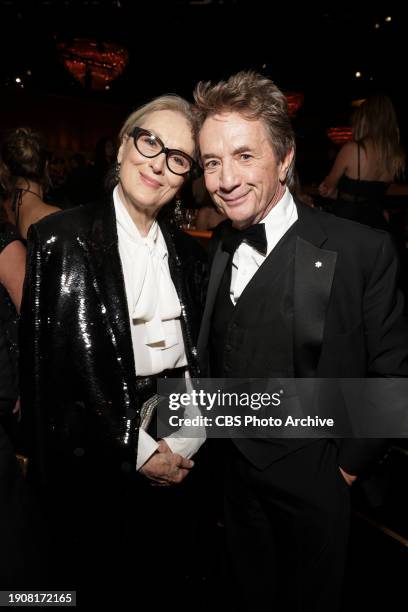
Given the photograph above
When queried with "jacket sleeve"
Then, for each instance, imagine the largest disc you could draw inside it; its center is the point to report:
(386, 333)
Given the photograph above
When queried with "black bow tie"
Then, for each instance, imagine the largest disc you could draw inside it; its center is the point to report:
(253, 235)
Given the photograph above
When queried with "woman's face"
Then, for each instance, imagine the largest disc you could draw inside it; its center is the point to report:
(146, 183)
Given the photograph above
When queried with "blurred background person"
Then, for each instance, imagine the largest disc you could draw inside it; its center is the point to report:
(365, 167)
(24, 178)
(15, 536)
(12, 270)
(104, 160)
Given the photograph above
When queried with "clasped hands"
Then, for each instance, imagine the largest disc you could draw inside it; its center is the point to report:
(165, 468)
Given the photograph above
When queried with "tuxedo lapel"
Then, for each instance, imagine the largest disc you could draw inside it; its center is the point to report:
(102, 254)
(217, 270)
(314, 273)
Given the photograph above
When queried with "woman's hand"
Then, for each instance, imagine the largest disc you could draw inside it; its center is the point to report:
(324, 190)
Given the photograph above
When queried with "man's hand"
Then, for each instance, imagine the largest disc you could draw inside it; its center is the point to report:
(165, 467)
(349, 478)
(163, 447)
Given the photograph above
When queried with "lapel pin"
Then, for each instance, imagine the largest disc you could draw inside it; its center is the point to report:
(318, 264)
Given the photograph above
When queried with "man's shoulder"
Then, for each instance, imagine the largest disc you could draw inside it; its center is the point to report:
(345, 233)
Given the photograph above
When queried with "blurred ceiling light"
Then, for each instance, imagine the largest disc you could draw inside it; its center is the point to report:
(339, 134)
(358, 102)
(92, 63)
(295, 101)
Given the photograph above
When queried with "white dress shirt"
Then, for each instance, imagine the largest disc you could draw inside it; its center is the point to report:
(154, 313)
(247, 260)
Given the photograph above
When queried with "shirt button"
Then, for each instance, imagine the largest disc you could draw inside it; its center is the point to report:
(228, 348)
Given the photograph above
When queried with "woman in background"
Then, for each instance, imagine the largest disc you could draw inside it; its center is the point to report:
(24, 178)
(365, 167)
(15, 536)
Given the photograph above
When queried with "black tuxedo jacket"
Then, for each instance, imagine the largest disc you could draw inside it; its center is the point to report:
(348, 311)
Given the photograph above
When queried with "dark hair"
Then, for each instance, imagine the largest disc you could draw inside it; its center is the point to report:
(256, 98)
(23, 155)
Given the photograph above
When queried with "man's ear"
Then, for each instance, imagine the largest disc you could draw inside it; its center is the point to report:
(285, 165)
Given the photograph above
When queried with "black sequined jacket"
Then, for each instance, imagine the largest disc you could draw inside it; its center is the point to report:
(78, 381)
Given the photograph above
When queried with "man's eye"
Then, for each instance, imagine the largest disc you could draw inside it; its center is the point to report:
(245, 156)
(210, 163)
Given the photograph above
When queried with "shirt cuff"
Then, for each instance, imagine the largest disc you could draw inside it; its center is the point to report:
(145, 449)
(186, 447)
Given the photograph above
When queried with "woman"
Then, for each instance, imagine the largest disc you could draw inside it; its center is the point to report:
(112, 302)
(14, 533)
(365, 167)
(12, 270)
(24, 178)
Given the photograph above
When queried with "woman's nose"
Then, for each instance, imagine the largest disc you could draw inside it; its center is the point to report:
(158, 163)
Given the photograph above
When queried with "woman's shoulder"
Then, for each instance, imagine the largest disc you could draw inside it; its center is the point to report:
(8, 233)
(350, 149)
(62, 224)
(36, 212)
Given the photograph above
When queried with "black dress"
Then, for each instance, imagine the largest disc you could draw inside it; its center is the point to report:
(361, 201)
(8, 337)
(18, 521)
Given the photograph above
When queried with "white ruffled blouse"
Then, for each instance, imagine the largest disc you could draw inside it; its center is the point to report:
(154, 307)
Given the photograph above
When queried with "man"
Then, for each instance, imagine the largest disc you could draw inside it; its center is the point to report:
(315, 296)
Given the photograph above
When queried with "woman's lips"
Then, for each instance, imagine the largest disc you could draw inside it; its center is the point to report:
(150, 181)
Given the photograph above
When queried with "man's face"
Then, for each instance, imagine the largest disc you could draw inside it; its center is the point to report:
(241, 171)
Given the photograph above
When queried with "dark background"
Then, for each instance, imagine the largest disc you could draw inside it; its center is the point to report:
(173, 44)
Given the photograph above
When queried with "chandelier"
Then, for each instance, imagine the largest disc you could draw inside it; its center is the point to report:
(92, 63)
(339, 135)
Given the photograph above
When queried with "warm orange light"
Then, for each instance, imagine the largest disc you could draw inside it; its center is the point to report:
(92, 63)
(359, 102)
(295, 101)
(339, 135)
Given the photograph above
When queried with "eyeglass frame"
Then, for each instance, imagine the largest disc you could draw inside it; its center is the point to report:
(138, 130)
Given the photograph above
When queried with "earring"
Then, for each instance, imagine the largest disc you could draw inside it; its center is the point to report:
(116, 172)
(178, 212)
